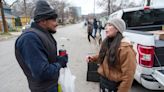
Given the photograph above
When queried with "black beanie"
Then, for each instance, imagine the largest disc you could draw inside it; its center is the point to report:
(44, 11)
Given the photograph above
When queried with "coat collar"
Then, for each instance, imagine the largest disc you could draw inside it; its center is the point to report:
(35, 25)
(125, 42)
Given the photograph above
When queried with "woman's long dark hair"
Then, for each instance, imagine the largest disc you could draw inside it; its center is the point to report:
(109, 48)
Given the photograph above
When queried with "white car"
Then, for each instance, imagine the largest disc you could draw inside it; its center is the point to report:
(143, 25)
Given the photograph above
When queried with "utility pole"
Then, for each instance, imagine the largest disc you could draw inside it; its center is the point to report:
(108, 7)
(62, 10)
(25, 9)
(94, 8)
(3, 17)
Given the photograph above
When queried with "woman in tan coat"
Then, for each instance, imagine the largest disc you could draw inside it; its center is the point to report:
(117, 59)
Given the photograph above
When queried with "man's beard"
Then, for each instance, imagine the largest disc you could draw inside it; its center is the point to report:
(51, 31)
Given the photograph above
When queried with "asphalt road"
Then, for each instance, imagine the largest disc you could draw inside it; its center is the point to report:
(74, 37)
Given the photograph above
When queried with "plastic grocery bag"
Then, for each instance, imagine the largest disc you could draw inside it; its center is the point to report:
(67, 80)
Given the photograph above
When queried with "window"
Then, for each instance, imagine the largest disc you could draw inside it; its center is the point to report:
(144, 17)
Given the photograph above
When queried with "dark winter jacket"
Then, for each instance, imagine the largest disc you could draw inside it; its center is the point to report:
(38, 59)
(95, 24)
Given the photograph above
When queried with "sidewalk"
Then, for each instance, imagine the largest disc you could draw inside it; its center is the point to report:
(9, 35)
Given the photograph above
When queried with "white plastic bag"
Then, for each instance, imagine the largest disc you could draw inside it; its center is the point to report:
(67, 80)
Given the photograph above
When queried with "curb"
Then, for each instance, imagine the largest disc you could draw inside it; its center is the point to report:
(7, 37)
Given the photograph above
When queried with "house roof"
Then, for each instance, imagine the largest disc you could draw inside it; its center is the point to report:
(8, 15)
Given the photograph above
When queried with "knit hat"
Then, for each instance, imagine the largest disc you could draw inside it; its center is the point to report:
(118, 23)
(44, 11)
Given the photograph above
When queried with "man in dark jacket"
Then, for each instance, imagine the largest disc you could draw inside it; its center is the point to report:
(95, 26)
(36, 51)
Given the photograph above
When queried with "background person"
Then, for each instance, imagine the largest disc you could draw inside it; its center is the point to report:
(89, 31)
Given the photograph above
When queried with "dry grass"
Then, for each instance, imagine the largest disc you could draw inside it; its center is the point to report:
(5, 34)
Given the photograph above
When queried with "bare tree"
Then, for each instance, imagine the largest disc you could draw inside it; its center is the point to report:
(114, 5)
(60, 6)
(73, 13)
(19, 8)
(107, 5)
(3, 17)
(4, 2)
(102, 4)
(14, 3)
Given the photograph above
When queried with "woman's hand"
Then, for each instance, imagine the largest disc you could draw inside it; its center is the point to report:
(89, 58)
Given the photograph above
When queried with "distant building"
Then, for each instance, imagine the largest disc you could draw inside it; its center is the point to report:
(10, 19)
(7, 9)
(75, 13)
(76, 10)
(24, 20)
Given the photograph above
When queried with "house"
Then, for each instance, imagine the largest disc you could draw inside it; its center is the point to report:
(10, 19)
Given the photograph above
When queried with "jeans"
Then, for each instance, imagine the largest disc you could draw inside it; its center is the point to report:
(95, 32)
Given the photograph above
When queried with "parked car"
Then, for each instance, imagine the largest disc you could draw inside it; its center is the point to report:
(28, 25)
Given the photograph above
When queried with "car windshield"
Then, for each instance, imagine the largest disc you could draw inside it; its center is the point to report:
(144, 17)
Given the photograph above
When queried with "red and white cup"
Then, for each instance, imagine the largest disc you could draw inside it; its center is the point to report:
(62, 52)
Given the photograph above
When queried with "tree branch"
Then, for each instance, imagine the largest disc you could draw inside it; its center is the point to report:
(13, 3)
(4, 1)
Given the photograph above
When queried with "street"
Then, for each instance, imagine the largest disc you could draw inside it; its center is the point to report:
(74, 38)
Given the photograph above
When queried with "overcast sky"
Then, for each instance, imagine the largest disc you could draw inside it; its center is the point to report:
(87, 6)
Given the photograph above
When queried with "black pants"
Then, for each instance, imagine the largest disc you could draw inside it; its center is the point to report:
(107, 85)
(90, 35)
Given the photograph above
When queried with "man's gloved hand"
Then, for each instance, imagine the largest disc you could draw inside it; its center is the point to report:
(63, 60)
